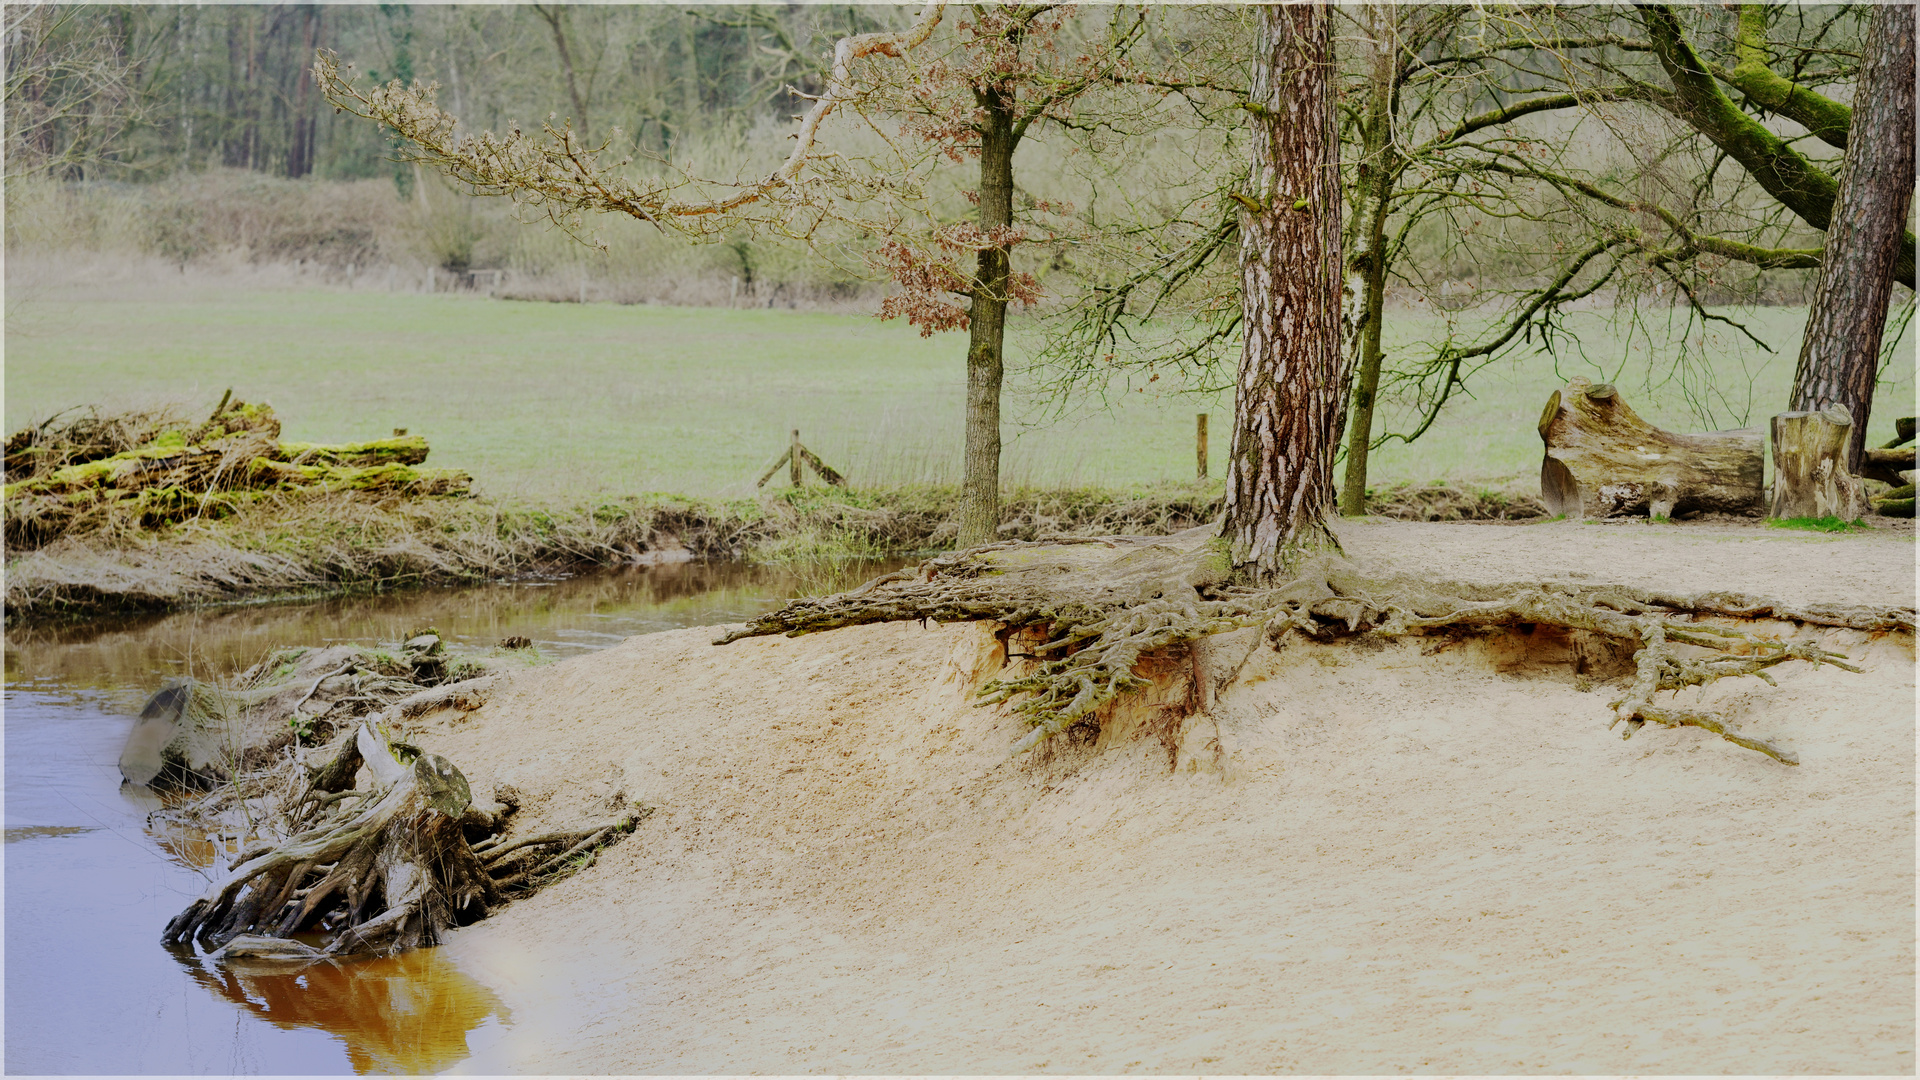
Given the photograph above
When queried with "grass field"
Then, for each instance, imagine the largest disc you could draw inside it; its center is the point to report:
(561, 401)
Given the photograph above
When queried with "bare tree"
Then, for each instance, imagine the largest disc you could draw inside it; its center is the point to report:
(1839, 358)
(975, 96)
(72, 90)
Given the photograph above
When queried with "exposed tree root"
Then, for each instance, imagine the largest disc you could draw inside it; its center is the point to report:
(1103, 603)
(384, 870)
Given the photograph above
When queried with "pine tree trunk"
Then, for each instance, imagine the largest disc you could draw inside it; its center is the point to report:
(1840, 355)
(1290, 399)
(1375, 175)
(987, 330)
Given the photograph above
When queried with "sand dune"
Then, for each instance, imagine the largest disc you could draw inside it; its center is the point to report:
(1428, 856)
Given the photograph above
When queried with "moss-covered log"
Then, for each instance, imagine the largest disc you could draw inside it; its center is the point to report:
(201, 471)
(398, 450)
(1099, 605)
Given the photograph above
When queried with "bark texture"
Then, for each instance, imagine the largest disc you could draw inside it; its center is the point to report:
(1840, 355)
(1602, 460)
(1810, 475)
(1291, 394)
(987, 327)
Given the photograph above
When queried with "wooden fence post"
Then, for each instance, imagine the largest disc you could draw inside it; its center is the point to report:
(1200, 444)
(793, 455)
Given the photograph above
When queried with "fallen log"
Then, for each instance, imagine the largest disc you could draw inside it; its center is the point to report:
(1903, 430)
(1885, 464)
(1810, 477)
(1899, 501)
(155, 469)
(1602, 460)
(399, 450)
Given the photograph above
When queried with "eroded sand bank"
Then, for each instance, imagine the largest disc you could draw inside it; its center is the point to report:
(1412, 857)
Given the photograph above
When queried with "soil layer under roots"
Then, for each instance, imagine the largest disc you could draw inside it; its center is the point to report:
(1097, 606)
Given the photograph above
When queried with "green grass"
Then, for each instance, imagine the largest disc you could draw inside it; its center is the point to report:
(563, 401)
(1828, 524)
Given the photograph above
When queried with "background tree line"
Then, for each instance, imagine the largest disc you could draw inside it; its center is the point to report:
(199, 86)
(1503, 166)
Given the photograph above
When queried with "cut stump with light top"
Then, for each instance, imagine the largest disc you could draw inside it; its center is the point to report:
(1810, 477)
(1602, 460)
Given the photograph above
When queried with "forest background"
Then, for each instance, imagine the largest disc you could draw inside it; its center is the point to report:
(200, 217)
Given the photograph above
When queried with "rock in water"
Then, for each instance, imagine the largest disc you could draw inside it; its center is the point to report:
(141, 760)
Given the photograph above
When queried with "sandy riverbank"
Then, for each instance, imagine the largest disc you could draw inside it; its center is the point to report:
(1406, 858)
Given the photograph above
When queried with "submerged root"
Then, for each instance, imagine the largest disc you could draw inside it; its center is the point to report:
(1103, 603)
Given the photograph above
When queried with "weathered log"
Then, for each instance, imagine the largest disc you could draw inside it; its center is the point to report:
(1902, 432)
(1810, 477)
(1899, 501)
(1603, 460)
(1886, 464)
(400, 450)
(783, 459)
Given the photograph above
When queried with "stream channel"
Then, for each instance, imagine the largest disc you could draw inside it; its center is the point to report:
(88, 885)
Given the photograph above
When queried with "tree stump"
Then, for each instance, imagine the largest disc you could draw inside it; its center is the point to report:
(1810, 477)
(1603, 460)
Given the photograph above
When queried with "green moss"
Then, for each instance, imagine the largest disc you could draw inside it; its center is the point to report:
(1828, 524)
(401, 449)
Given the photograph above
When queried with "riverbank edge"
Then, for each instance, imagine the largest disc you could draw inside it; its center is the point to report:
(335, 545)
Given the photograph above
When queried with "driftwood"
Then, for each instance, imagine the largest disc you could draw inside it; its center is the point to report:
(1810, 477)
(1603, 460)
(383, 870)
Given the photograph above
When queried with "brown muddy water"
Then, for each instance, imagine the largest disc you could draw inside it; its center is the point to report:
(89, 884)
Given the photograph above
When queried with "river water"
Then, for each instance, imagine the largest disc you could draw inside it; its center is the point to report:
(89, 884)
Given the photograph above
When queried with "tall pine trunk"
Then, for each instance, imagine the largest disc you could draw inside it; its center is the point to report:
(1290, 398)
(987, 328)
(1840, 355)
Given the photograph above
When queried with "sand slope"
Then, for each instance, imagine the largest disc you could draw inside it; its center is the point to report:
(1406, 858)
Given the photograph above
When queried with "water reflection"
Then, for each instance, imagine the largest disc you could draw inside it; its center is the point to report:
(89, 885)
(407, 1014)
(563, 617)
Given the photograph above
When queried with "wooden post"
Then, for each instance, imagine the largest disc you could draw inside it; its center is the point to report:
(773, 468)
(793, 457)
(1200, 445)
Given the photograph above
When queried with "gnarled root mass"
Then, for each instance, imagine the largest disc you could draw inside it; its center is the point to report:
(1103, 603)
(383, 870)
